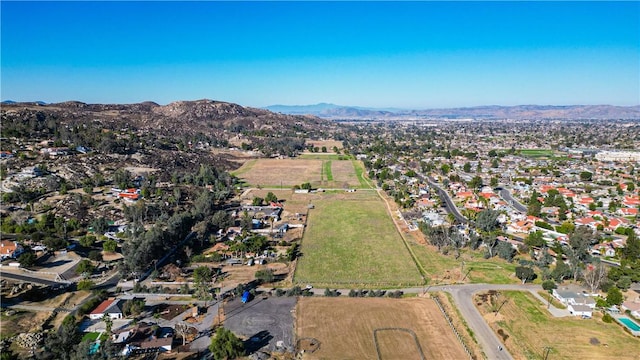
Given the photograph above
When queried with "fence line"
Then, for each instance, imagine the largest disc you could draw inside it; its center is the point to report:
(455, 331)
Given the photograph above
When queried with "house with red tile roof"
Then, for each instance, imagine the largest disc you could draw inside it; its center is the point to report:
(627, 211)
(110, 307)
(631, 201)
(10, 249)
(587, 221)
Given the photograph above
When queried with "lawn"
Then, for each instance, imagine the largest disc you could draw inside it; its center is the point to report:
(93, 336)
(535, 153)
(477, 269)
(528, 329)
(350, 241)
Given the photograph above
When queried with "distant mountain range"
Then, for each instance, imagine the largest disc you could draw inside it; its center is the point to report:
(519, 112)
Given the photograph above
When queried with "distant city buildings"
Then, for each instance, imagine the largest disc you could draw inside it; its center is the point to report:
(618, 156)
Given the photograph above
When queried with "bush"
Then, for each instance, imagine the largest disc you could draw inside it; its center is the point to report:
(607, 318)
(85, 285)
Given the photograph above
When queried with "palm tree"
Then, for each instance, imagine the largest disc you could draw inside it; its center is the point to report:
(108, 322)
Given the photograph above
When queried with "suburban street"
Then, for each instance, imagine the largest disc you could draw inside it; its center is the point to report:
(448, 203)
(506, 196)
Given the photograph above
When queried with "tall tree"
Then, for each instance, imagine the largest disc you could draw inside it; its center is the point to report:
(225, 345)
(487, 220)
(202, 277)
(594, 275)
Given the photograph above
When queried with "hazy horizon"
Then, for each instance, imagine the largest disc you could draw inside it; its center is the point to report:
(407, 55)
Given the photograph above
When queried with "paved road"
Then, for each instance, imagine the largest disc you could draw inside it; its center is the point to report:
(506, 195)
(448, 203)
(29, 279)
(463, 296)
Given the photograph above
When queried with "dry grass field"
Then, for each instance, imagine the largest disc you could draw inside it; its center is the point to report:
(277, 172)
(345, 328)
(528, 328)
(289, 172)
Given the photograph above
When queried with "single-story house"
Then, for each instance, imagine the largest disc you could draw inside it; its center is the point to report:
(569, 297)
(580, 310)
(110, 307)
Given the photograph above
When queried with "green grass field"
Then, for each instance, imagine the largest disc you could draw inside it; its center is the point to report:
(535, 153)
(350, 241)
(359, 167)
(530, 328)
(326, 170)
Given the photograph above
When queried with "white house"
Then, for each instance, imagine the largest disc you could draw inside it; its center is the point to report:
(580, 310)
(110, 307)
(578, 302)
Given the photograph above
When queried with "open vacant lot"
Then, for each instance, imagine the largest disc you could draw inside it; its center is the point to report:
(350, 240)
(528, 328)
(447, 269)
(290, 172)
(344, 328)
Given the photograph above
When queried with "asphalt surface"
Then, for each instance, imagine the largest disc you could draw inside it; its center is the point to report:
(448, 203)
(29, 279)
(506, 195)
(263, 321)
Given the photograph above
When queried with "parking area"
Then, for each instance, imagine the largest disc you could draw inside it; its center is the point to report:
(265, 323)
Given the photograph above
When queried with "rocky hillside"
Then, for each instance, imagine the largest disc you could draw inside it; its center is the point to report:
(206, 117)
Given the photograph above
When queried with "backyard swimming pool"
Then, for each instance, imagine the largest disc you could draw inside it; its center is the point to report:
(635, 328)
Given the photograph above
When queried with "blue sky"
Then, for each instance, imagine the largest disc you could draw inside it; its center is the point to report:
(378, 54)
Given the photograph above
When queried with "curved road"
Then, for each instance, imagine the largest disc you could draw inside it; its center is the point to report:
(506, 196)
(448, 203)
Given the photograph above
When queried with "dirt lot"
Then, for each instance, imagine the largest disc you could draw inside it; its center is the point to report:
(168, 312)
(344, 328)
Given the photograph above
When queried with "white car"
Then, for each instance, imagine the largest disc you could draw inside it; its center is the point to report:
(308, 287)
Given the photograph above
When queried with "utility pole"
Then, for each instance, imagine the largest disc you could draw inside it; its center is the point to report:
(500, 307)
(467, 274)
(545, 354)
